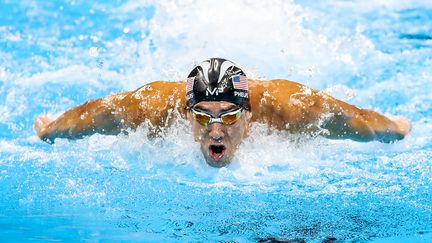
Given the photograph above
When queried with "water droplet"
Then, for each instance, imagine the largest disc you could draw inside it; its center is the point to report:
(2, 72)
(94, 51)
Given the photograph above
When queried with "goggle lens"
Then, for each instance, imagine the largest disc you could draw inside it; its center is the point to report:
(231, 118)
(226, 119)
(202, 119)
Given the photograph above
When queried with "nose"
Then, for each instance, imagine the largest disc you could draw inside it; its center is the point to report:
(216, 131)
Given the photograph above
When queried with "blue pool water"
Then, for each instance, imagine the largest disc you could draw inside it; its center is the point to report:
(57, 54)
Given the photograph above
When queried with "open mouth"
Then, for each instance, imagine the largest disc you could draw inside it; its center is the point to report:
(217, 151)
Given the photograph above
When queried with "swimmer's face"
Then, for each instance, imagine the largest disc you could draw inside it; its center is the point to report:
(219, 141)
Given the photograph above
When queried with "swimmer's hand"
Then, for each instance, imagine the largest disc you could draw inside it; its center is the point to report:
(41, 125)
(403, 124)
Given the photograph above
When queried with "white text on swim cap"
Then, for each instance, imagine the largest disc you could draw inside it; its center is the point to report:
(241, 94)
(215, 91)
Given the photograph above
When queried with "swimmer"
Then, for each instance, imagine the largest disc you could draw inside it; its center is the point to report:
(221, 104)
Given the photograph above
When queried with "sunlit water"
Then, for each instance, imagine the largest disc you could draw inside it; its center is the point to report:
(57, 54)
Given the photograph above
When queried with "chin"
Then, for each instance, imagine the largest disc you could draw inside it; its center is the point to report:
(218, 163)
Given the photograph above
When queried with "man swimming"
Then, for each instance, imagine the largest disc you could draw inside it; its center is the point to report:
(220, 104)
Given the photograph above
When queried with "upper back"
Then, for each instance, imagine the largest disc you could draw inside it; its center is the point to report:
(275, 102)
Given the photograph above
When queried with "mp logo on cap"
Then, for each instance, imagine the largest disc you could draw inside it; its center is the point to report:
(215, 91)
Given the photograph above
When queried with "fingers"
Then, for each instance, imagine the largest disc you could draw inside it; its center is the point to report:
(41, 124)
(403, 124)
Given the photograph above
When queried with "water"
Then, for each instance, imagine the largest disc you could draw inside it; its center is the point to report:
(57, 54)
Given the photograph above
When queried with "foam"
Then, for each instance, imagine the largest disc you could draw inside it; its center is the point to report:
(184, 35)
(180, 34)
(285, 50)
(278, 184)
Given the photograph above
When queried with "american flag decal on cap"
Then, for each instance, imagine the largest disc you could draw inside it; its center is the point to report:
(240, 82)
(189, 84)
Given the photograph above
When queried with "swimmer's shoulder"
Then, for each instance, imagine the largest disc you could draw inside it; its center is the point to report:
(273, 87)
(152, 102)
(162, 94)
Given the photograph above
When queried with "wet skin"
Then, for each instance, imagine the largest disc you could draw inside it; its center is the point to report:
(218, 142)
(281, 104)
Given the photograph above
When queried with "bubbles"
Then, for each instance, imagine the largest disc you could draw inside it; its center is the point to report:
(279, 184)
(14, 37)
(290, 49)
(94, 51)
(341, 92)
(2, 72)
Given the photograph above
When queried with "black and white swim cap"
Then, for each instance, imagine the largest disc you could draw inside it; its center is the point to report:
(217, 79)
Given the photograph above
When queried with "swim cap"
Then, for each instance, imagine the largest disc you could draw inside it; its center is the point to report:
(217, 79)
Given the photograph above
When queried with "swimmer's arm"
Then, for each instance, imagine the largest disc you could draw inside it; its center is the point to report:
(345, 121)
(94, 116)
(159, 103)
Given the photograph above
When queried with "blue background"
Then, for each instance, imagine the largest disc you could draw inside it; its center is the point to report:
(57, 54)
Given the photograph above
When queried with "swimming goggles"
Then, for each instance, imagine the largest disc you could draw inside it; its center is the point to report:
(228, 118)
